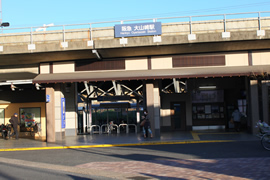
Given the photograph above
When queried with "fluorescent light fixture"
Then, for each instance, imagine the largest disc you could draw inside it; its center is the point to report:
(207, 87)
(26, 81)
(94, 51)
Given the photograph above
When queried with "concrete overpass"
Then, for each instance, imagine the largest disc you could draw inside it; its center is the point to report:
(72, 42)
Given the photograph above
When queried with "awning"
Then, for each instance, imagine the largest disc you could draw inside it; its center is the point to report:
(17, 76)
(152, 74)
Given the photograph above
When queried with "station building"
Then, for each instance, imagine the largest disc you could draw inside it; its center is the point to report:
(186, 80)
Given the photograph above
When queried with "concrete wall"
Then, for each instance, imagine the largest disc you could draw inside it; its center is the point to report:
(237, 59)
(161, 63)
(64, 67)
(232, 59)
(172, 33)
(261, 58)
(136, 64)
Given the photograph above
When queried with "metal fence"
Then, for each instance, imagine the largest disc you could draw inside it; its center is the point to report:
(91, 29)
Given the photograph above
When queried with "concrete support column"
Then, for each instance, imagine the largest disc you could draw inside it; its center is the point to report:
(50, 115)
(71, 115)
(153, 106)
(265, 101)
(254, 105)
(59, 132)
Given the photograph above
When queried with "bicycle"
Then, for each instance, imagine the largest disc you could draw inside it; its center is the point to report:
(36, 129)
(264, 134)
(265, 141)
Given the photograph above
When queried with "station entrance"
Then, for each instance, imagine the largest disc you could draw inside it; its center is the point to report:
(109, 107)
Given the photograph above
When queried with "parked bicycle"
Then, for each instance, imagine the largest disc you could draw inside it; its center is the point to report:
(264, 134)
(5, 130)
(36, 129)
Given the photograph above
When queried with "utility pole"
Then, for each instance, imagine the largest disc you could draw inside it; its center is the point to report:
(0, 11)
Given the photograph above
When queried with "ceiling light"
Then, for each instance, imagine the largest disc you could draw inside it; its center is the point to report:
(207, 87)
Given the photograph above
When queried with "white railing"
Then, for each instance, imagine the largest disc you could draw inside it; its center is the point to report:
(95, 126)
(91, 29)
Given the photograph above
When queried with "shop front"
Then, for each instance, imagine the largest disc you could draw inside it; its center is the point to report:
(207, 104)
(29, 104)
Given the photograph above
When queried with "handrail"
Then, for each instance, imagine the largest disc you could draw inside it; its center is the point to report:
(91, 127)
(123, 126)
(113, 125)
(108, 25)
(135, 126)
(104, 125)
(132, 20)
(109, 126)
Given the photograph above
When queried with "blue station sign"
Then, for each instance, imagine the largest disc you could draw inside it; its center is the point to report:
(63, 112)
(138, 29)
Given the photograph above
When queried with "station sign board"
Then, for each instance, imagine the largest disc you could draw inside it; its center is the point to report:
(137, 29)
(48, 98)
(63, 112)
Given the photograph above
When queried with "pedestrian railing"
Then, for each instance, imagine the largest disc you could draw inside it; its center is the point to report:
(95, 126)
(105, 30)
(108, 128)
(124, 126)
(133, 125)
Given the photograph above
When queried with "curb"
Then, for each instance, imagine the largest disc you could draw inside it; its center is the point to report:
(114, 145)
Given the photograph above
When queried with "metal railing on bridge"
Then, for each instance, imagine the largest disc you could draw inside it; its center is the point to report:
(93, 31)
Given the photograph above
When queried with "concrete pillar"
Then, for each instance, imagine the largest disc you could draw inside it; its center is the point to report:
(50, 115)
(59, 132)
(71, 115)
(153, 106)
(254, 105)
(265, 101)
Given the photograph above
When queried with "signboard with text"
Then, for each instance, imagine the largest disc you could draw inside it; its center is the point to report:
(63, 113)
(138, 29)
(48, 98)
(210, 96)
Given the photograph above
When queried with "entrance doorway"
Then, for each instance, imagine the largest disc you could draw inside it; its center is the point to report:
(178, 116)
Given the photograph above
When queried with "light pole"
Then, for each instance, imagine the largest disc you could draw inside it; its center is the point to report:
(2, 24)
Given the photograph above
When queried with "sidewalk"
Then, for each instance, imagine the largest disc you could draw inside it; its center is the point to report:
(108, 140)
(159, 167)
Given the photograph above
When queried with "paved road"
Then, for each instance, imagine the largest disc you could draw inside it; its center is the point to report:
(227, 160)
(18, 172)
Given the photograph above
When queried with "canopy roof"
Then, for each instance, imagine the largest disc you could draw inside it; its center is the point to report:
(152, 74)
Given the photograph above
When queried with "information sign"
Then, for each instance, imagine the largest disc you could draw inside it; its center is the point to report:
(138, 29)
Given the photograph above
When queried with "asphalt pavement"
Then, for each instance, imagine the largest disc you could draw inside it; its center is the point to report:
(174, 155)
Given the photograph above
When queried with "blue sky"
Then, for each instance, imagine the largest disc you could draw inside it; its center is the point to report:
(25, 13)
